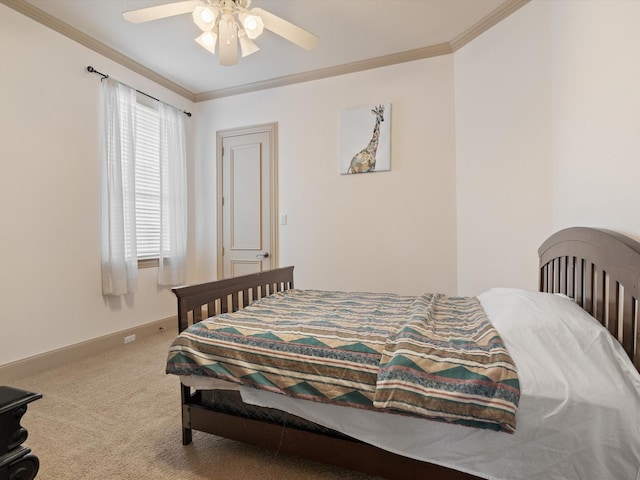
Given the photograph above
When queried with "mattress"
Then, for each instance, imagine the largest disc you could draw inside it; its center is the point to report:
(579, 411)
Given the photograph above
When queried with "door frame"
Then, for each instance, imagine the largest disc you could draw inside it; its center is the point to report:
(272, 130)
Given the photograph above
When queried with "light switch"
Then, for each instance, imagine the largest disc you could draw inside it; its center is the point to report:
(283, 218)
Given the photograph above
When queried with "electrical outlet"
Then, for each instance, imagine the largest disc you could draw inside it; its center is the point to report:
(130, 338)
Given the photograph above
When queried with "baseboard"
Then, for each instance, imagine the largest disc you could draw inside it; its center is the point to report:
(61, 356)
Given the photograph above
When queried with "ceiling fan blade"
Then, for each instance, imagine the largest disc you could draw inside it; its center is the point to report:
(160, 11)
(287, 30)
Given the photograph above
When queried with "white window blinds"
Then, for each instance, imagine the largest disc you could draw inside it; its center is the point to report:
(147, 170)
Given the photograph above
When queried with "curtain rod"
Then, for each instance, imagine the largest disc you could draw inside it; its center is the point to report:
(90, 69)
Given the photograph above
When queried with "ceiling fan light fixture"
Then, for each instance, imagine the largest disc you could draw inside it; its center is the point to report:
(227, 25)
(247, 46)
(205, 18)
(252, 24)
(208, 41)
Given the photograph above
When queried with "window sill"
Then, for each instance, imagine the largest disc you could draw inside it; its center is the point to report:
(148, 263)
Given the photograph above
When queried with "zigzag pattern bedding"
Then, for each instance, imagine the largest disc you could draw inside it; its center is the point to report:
(328, 347)
(448, 361)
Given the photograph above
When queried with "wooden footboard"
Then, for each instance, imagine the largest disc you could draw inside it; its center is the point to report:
(197, 302)
(223, 296)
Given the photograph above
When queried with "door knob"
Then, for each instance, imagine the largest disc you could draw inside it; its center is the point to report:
(263, 255)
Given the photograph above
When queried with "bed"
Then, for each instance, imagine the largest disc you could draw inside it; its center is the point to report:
(588, 270)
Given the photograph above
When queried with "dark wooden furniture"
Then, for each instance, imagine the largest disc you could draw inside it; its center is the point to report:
(600, 269)
(16, 461)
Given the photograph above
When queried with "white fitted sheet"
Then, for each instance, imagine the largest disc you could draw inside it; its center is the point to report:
(579, 412)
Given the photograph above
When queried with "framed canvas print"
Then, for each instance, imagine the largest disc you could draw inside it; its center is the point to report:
(365, 139)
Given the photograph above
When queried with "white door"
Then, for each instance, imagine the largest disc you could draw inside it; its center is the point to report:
(247, 227)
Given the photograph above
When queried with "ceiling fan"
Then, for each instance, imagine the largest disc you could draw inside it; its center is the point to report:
(227, 23)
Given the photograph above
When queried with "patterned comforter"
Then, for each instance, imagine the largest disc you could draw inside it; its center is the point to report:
(432, 356)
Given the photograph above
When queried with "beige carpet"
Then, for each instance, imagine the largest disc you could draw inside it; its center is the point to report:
(116, 416)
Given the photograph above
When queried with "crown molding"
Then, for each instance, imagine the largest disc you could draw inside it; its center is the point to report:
(82, 38)
(495, 17)
(377, 62)
(446, 48)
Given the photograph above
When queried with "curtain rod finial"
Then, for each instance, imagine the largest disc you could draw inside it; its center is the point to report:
(90, 69)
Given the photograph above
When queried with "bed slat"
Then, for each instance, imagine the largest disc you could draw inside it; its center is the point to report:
(556, 275)
(571, 276)
(579, 285)
(563, 275)
(588, 288)
(613, 299)
(629, 313)
(599, 295)
(197, 314)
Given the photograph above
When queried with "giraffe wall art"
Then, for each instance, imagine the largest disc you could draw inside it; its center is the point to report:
(365, 139)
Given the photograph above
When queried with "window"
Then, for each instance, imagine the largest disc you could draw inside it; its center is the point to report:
(143, 190)
(147, 194)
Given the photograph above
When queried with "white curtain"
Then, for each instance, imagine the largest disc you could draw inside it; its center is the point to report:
(173, 194)
(118, 218)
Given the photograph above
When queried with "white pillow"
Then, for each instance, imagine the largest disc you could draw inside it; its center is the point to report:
(557, 345)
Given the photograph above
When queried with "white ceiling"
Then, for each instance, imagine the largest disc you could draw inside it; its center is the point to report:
(349, 30)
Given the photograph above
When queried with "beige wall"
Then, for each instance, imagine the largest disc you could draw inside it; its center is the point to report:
(385, 231)
(547, 134)
(503, 151)
(596, 114)
(50, 291)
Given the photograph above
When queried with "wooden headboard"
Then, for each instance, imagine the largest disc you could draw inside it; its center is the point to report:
(600, 270)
